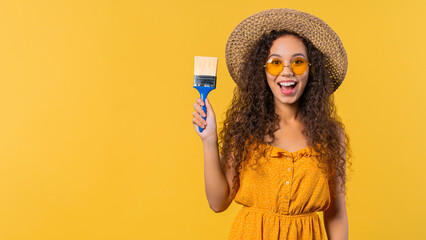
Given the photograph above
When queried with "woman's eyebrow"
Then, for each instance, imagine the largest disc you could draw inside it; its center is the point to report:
(296, 54)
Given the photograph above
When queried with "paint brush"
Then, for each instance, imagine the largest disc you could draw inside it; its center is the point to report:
(205, 69)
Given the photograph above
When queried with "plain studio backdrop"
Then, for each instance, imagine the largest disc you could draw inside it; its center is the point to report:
(96, 139)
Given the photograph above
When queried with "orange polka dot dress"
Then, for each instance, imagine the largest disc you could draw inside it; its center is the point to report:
(281, 196)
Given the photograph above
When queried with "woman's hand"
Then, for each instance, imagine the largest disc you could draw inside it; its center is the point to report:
(209, 125)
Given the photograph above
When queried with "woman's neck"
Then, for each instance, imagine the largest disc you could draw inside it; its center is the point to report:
(288, 113)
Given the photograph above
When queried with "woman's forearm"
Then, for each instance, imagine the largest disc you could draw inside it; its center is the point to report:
(336, 225)
(216, 184)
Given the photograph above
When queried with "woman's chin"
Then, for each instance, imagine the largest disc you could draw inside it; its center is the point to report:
(286, 100)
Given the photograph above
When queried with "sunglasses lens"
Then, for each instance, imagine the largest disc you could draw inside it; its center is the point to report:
(299, 66)
(274, 66)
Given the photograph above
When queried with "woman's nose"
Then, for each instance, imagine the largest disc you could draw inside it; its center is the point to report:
(287, 70)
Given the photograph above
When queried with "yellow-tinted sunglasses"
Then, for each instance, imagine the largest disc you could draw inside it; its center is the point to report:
(275, 66)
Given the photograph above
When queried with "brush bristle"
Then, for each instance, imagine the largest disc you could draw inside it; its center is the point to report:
(206, 66)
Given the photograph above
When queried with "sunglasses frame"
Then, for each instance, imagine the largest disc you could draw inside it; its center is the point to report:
(309, 64)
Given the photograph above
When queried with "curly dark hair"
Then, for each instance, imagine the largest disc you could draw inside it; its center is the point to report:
(251, 115)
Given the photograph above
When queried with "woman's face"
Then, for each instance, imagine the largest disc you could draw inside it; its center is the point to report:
(286, 48)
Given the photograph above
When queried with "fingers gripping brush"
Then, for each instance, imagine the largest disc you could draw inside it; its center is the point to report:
(205, 69)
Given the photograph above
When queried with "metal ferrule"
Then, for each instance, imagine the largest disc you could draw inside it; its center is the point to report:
(204, 81)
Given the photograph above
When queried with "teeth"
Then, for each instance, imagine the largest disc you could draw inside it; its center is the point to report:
(287, 83)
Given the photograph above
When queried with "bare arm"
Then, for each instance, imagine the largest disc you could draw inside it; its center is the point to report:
(218, 184)
(335, 217)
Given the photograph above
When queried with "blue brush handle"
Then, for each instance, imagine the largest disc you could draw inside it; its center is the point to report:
(203, 94)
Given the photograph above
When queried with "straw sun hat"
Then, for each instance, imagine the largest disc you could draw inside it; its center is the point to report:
(247, 32)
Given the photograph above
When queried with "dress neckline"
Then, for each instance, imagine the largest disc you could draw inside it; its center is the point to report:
(282, 149)
(306, 151)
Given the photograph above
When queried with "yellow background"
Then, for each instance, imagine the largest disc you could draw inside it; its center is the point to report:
(96, 140)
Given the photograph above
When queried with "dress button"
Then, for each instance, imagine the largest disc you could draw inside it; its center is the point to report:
(288, 169)
(288, 158)
(287, 182)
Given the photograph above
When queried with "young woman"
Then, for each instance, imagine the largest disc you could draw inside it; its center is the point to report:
(283, 149)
